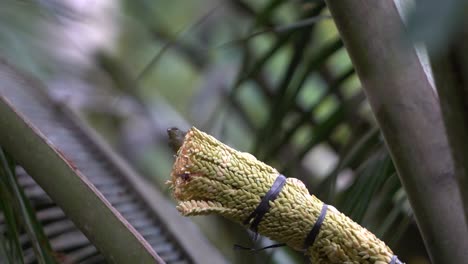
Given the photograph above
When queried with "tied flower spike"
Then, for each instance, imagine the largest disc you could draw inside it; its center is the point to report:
(209, 177)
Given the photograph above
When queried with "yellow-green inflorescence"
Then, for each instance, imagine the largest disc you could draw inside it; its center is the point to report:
(209, 177)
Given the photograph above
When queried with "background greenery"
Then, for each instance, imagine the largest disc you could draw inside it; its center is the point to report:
(261, 75)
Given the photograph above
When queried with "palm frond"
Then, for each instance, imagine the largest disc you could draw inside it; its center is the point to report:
(115, 199)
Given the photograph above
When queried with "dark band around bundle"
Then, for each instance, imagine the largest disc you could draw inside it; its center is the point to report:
(264, 205)
(310, 239)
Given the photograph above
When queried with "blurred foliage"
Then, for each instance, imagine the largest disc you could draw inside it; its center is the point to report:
(436, 23)
(19, 216)
(259, 75)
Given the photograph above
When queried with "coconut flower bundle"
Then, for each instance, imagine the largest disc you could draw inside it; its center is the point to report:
(209, 177)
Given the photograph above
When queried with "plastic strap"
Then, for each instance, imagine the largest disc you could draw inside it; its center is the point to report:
(264, 205)
(310, 239)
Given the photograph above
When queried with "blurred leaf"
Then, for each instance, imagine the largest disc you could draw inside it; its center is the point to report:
(156, 58)
(306, 115)
(369, 179)
(26, 214)
(11, 246)
(289, 87)
(21, 35)
(353, 155)
(435, 23)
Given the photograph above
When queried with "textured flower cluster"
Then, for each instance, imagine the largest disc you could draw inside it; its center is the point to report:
(209, 177)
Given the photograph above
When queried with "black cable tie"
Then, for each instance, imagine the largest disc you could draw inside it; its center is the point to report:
(240, 247)
(264, 205)
(310, 239)
(395, 260)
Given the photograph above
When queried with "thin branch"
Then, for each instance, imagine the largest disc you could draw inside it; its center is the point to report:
(172, 42)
